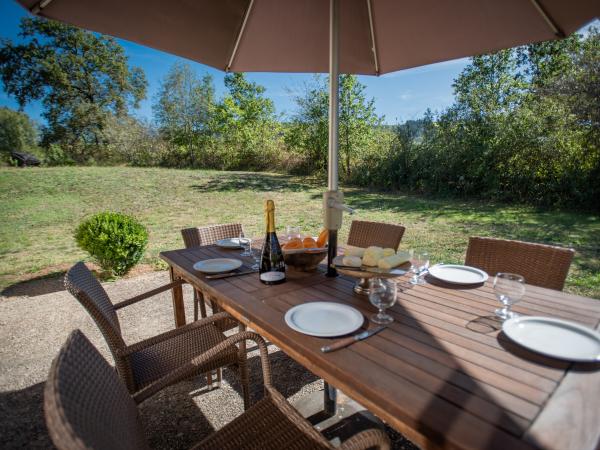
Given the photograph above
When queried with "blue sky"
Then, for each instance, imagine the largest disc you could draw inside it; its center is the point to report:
(399, 96)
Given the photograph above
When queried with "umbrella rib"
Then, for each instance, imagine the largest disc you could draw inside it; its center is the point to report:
(35, 9)
(239, 36)
(553, 26)
(373, 42)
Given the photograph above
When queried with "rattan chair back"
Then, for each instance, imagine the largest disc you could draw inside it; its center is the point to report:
(365, 234)
(197, 236)
(80, 282)
(86, 404)
(541, 265)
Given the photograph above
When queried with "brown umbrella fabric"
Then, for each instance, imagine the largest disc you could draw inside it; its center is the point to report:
(376, 36)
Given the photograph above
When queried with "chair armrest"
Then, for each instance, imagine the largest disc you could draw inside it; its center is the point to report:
(367, 439)
(148, 294)
(172, 333)
(192, 367)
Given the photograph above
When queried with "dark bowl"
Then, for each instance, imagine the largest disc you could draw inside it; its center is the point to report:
(304, 260)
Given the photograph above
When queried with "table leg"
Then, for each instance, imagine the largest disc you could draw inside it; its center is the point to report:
(329, 398)
(178, 305)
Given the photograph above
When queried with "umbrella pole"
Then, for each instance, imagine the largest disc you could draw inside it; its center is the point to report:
(333, 215)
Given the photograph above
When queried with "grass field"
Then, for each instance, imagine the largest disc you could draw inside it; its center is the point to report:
(40, 208)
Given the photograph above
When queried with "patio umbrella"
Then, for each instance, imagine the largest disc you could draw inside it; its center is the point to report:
(336, 36)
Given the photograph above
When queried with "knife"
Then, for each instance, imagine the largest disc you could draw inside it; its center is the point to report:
(351, 340)
(227, 275)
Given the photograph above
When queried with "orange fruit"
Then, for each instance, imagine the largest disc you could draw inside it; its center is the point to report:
(309, 242)
(322, 239)
(292, 244)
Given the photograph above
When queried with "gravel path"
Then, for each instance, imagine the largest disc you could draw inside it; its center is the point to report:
(34, 326)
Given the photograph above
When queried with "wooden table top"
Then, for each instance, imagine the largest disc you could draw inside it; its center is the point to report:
(442, 373)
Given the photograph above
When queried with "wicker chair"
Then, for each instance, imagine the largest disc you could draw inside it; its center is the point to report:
(365, 234)
(87, 407)
(199, 236)
(150, 360)
(541, 265)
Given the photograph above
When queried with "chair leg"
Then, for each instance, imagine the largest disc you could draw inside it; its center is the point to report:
(199, 302)
(243, 368)
(219, 376)
(209, 380)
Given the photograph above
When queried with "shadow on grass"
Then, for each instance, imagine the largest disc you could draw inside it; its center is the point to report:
(490, 219)
(255, 182)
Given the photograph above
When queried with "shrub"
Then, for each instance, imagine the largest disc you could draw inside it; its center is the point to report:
(54, 155)
(116, 241)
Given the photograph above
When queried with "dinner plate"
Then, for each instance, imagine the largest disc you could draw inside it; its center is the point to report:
(229, 243)
(554, 337)
(217, 265)
(457, 274)
(324, 319)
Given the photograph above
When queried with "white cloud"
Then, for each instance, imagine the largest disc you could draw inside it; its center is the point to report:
(436, 67)
(406, 95)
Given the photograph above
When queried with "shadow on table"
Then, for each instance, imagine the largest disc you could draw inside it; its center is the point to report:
(496, 428)
(440, 283)
(485, 324)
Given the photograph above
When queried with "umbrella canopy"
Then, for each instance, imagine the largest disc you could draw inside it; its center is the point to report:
(376, 36)
(347, 36)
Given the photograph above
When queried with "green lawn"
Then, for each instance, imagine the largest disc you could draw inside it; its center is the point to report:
(40, 207)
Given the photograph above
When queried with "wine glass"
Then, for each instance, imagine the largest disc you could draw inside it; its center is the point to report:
(509, 289)
(246, 244)
(256, 257)
(292, 232)
(419, 261)
(382, 294)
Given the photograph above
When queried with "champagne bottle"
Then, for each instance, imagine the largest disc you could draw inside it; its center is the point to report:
(272, 266)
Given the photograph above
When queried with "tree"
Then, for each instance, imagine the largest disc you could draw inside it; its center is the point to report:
(17, 132)
(524, 127)
(308, 132)
(245, 125)
(184, 108)
(79, 76)
(358, 122)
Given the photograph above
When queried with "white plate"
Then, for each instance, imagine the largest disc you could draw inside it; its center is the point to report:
(229, 243)
(457, 274)
(554, 337)
(217, 265)
(324, 319)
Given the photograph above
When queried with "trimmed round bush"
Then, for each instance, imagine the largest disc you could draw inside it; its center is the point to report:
(115, 241)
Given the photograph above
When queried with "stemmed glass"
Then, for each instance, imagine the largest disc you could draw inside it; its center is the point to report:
(509, 289)
(246, 244)
(419, 261)
(292, 232)
(256, 257)
(382, 294)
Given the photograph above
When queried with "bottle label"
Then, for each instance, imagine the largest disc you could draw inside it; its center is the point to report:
(272, 276)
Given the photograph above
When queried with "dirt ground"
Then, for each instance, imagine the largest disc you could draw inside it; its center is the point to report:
(35, 320)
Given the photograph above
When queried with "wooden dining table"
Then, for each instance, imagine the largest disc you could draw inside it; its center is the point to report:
(443, 373)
